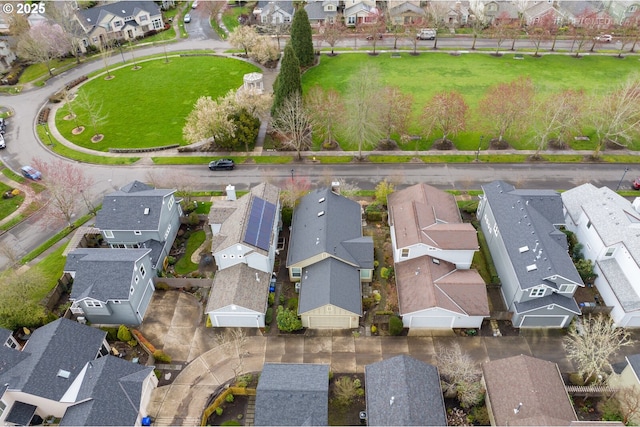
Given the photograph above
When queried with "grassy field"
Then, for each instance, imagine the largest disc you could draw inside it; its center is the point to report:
(141, 111)
(471, 75)
(8, 206)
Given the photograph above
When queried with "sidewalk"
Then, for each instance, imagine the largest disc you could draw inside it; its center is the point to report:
(29, 196)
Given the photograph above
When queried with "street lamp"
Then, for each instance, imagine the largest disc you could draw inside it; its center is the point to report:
(479, 147)
(292, 176)
(623, 174)
(46, 131)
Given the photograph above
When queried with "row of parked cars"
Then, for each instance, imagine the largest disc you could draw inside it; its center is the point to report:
(27, 171)
(3, 129)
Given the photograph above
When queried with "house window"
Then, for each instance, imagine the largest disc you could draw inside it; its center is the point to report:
(11, 344)
(143, 18)
(166, 233)
(287, 19)
(117, 24)
(537, 292)
(567, 289)
(589, 224)
(351, 20)
(137, 233)
(108, 234)
(633, 8)
(610, 251)
(142, 271)
(157, 23)
(296, 271)
(330, 8)
(365, 274)
(93, 303)
(404, 253)
(3, 406)
(170, 204)
(117, 301)
(132, 289)
(492, 7)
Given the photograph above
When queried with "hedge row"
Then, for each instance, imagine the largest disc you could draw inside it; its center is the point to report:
(143, 150)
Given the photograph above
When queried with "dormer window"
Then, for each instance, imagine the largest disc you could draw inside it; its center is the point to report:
(536, 292)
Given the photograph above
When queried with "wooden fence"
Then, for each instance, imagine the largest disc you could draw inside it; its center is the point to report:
(236, 391)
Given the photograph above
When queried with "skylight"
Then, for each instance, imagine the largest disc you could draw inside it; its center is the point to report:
(63, 374)
(524, 249)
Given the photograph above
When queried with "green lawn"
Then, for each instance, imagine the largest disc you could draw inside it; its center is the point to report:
(142, 111)
(37, 71)
(8, 206)
(471, 75)
(184, 264)
(231, 14)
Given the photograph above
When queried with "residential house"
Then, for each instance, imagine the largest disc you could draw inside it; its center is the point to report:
(628, 381)
(608, 227)
(623, 12)
(123, 20)
(407, 13)
(586, 14)
(403, 391)
(7, 339)
(360, 12)
(322, 12)
(274, 12)
(64, 371)
(110, 286)
(424, 220)
(244, 245)
(504, 10)
(7, 56)
(543, 12)
(433, 250)
(530, 254)
(524, 390)
(459, 14)
(292, 394)
(330, 258)
(140, 216)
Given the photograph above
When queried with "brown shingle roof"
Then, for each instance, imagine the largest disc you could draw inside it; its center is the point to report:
(535, 383)
(423, 214)
(422, 284)
(239, 285)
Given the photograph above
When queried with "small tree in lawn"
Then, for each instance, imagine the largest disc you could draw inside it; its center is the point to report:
(500, 30)
(374, 30)
(67, 98)
(363, 124)
(209, 119)
(383, 189)
(507, 104)
(437, 12)
(325, 109)
(478, 23)
(412, 30)
(446, 112)
(333, 33)
(541, 31)
(590, 344)
(43, 43)
(94, 112)
(288, 80)
(554, 116)
(301, 37)
(293, 124)
(243, 37)
(105, 53)
(66, 184)
(633, 24)
(395, 109)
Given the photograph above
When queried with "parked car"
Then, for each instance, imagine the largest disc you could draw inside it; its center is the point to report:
(426, 34)
(3, 126)
(222, 164)
(636, 183)
(604, 38)
(31, 173)
(2, 143)
(187, 18)
(378, 36)
(194, 4)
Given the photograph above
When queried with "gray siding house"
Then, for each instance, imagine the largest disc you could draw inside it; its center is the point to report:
(330, 257)
(65, 371)
(140, 216)
(111, 286)
(530, 253)
(403, 391)
(293, 394)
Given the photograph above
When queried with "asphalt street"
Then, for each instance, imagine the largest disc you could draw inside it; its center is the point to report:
(23, 146)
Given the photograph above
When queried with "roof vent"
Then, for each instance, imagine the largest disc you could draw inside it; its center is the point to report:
(63, 374)
(321, 199)
(524, 249)
(320, 213)
(532, 267)
(435, 261)
(146, 211)
(257, 277)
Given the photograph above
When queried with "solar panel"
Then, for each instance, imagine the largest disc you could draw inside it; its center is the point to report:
(261, 218)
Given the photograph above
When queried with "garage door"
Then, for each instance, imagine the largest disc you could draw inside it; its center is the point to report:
(223, 321)
(443, 322)
(634, 322)
(329, 322)
(543, 321)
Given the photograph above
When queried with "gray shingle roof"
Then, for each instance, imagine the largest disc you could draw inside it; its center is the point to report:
(4, 335)
(634, 362)
(21, 413)
(333, 226)
(404, 391)
(292, 395)
(122, 9)
(110, 394)
(125, 209)
(62, 344)
(568, 304)
(103, 274)
(330, 282)
(315, 11)
(238, 285)
(527, 218)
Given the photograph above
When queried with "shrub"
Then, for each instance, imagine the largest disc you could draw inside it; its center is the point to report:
(367, 303)
(480, 415)
(374, 329)
(345, 390)
(162, 286)
(292, 304)
(161, 356)
(376, 263)
(219, 411)
(272, 298)
(229, 398)
(287, 214)
(112, 333)
(357, 383)
(158, 373)
(171, 260)
(288, 320)
(282, 299)
(330, 375)
(133, 342)
(360, 392)
(268, 318)
(124, 334)
(193, 218)
(377, 297)
(611, 410)
(395, 325)
(386, 272)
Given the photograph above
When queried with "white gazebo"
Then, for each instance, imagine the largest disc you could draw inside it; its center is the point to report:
(253, 82)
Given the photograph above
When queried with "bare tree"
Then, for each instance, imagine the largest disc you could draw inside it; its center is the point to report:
(478, 20)
(412, 35)
(437, 12)
(362, 124)
(243, 37)
(521, 6)
(374, 31)
(555, 115)
(629, 399)
(63, 14)
(233, 342)
(326, 110)
(293, 124)
(105, 53)
(445, 112)
(264, 51)
(333, 33)
(460, 375)
(500, 30)
(43, 43)
(507, 104)
(67, 185)
(591, 342)
(293, 189)
(395, 111)
(67, 97)
(541, 31)
(616, 115)
(94, 111)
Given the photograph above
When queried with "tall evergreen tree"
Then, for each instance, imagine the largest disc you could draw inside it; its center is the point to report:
(301, 37)
(288, 80)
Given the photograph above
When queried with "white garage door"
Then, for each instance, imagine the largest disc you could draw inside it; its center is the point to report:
(634, 322)
(221, 321)
(329, 322)
(543, 321)
(431, 322)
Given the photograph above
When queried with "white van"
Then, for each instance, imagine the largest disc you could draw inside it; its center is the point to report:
(426, 34)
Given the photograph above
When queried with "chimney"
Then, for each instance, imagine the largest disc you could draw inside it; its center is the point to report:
(335, 187)
(231, 192)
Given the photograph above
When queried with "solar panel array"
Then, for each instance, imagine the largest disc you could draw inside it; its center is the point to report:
(261, 219)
